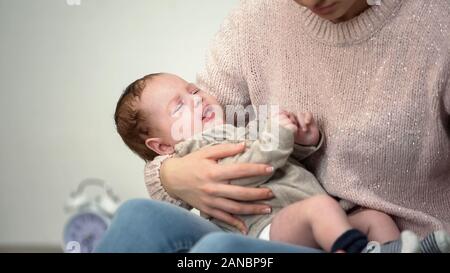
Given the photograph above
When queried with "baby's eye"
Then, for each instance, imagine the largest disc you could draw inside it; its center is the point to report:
(196, 91)
(177, 108)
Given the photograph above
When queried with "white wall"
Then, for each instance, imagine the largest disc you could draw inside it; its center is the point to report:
(62, 69)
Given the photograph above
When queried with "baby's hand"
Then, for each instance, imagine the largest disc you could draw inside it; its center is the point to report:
(308, 133)
(285, 120)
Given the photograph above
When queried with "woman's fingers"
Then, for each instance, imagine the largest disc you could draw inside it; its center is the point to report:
(227, 218)
(240, 193)
(222, 150)
(241, 170)
(234, 207)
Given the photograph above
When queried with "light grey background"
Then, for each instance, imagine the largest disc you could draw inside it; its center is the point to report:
(62, 69)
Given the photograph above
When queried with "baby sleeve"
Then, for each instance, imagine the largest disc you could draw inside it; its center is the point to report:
(270, 148)
(301, 152)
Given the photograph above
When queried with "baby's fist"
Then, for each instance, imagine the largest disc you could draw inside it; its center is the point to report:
(287, 122)
(308, 133)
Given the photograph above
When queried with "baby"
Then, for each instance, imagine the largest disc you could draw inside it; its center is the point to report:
(162, 114)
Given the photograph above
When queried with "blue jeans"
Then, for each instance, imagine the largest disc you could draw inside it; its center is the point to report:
(158, 227)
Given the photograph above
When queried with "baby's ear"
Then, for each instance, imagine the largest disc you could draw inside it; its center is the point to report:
(156, 145)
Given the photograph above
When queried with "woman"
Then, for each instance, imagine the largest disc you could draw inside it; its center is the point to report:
(377, 80)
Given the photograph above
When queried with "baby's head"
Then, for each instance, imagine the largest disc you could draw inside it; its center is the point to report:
(159, 110)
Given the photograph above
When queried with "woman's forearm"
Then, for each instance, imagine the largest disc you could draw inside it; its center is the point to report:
(154, 185)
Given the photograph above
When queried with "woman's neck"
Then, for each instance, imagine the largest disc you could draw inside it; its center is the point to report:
(357, 8)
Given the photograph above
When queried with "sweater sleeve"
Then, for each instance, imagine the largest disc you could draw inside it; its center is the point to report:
(301, 152)
(154, 186)
(223, 75)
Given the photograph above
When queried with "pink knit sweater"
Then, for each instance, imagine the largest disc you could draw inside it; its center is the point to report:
(378, 85)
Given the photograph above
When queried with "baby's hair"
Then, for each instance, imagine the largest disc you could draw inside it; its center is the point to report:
(129, 119)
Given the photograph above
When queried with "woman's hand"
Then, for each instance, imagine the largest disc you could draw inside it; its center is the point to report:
(201, 182)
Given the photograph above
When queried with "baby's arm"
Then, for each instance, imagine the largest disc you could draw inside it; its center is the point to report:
(308, 138)
(302, 152)
(273, 147)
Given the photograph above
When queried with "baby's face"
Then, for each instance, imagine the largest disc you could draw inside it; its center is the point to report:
(177, 109)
